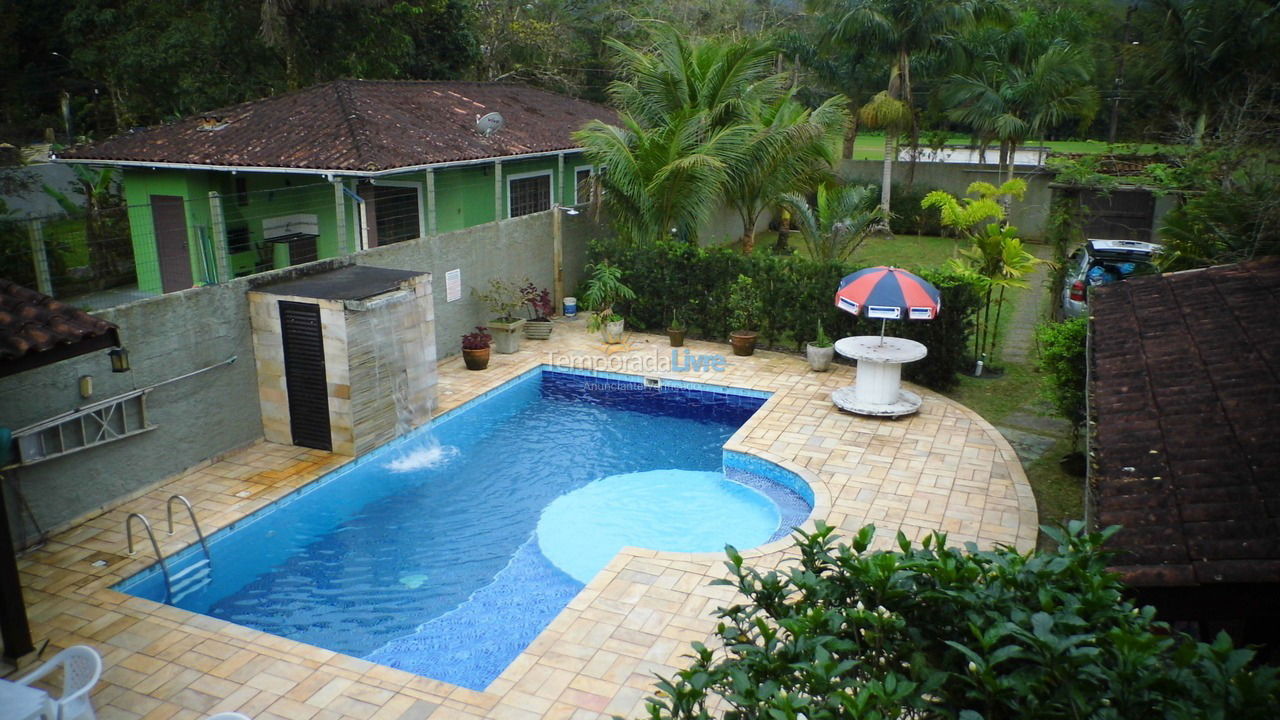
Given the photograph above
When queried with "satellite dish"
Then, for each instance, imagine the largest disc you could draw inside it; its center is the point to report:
(489, 124)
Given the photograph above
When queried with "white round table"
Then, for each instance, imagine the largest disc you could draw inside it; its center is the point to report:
(877, 390)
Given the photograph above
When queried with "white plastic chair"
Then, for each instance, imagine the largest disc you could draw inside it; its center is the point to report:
(228, 716)
(81, 667)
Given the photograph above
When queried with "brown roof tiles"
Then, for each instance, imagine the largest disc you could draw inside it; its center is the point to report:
(360, 126)
(36, 329)
(1185, 391)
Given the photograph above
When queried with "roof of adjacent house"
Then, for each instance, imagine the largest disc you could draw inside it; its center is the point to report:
(359, 126)
(36, 330)
(1186, 395)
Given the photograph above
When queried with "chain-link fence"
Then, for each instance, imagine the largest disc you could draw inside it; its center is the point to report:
(105, 257)
(87, 256)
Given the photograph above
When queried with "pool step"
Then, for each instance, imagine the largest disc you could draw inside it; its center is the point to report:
(190, 580)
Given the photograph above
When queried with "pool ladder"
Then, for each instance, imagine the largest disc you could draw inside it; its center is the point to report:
(188, 580)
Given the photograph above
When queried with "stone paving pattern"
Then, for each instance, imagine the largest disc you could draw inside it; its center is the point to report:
(943, 468)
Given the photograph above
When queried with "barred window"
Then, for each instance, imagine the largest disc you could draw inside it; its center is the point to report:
(582, 185)
(529, 194)
(397, 213)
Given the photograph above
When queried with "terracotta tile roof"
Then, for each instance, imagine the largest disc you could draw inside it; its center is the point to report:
(35, 329)
(360, 126)
(1186, 395)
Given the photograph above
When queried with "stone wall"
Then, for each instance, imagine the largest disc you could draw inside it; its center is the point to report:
(1030, 216)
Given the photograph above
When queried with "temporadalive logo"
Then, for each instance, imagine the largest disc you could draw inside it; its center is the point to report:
(653, 361)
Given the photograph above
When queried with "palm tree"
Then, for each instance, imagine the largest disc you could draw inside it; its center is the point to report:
(790, 149)
(675, 74)
(899, 31)
(964, 215)
(701, 122)
(664, 180)
(1008, 99)
(1204, 50)
(845, 216)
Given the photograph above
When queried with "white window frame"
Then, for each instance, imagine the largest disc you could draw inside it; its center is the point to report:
(551, 186)
(422, 211)
(577, 169)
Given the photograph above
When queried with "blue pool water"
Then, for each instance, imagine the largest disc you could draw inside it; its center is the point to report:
(446, 552)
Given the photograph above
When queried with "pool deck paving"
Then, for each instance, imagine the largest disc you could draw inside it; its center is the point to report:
(942, 468)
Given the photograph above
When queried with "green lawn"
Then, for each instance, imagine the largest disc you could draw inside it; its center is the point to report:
(870, 146)
(912, 252)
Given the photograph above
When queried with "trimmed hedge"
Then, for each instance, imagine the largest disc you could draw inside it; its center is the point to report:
(693, 281)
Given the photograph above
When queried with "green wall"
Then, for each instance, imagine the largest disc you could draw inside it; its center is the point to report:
(464, 198)
(193, 187)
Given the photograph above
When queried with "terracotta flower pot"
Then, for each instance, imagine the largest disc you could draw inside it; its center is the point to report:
(676, 337)
(743, 341)
(476, 359)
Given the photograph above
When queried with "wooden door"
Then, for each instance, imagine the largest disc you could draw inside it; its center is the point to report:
(169, 216)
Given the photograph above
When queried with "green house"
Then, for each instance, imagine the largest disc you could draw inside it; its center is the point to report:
(336, 168)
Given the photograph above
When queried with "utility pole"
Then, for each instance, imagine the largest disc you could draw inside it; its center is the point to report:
(1119, 82)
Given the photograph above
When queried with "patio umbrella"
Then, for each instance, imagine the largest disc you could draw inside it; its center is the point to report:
(888, 293)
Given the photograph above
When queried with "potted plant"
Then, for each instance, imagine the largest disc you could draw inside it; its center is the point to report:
(675, 331)
(504, 298)
(475, 348)
(538, 300)
(744, 304)
(820, 352)
(604, 290)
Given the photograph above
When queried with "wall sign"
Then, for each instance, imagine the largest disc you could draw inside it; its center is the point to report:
(453, 285)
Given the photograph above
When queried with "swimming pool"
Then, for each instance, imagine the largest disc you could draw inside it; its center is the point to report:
(447, 551)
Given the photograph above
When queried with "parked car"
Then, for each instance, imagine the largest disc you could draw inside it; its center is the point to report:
(1100, 262)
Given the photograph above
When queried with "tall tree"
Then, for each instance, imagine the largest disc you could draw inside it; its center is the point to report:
(1203, 52)
(1008, 96)
(710, 111)
(791, 148)
(899, 32)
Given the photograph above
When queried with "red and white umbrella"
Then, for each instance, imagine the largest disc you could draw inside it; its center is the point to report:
(888, 293)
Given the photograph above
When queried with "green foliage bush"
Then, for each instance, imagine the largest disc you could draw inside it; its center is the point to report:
(1063, 361)
(909, 218)
(797, 292)
(936, 632)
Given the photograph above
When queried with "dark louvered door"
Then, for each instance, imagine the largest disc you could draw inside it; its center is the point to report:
(304, 376)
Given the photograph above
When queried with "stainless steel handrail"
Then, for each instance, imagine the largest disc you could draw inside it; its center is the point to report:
(128, 532)
(168, 509)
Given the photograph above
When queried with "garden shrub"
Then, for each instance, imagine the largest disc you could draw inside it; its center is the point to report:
(909, 217)
(1063, 361)
(937, 632)
(672, 276)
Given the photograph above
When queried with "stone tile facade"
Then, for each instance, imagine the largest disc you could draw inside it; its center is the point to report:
(379, 364)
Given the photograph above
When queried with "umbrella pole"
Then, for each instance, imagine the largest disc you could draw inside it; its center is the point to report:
(882, 322)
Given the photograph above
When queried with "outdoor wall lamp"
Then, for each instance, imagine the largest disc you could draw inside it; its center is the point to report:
(119, 360)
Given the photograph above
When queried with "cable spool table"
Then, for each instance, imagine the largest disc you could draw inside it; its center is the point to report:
(877, 390)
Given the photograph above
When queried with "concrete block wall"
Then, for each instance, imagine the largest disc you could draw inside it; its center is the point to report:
(512, 249)
(1030, 216)
(215, 412)
(195, 419)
